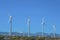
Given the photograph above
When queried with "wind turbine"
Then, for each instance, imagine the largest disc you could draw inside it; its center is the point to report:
(54, 29)
(10, 20)
(43, 23)
(28, 23)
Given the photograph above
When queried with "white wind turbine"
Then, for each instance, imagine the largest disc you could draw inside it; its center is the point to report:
(54, 30)
(28, 23)
(10, 21)
(43, 23)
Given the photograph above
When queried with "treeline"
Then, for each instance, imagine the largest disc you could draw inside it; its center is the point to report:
(27, 38)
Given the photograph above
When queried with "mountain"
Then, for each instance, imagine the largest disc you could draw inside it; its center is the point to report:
(26, 34)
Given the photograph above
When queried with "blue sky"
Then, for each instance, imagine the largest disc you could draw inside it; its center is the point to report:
(36, 9)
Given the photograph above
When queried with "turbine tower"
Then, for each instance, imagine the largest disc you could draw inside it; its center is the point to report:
(54, 29)
(43, 26)
(10, 25)
(28, 23)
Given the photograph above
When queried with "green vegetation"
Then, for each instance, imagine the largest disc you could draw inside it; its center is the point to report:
(1, 37)
(28, 38)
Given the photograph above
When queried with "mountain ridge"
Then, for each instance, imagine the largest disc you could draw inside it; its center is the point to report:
(26, 34)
